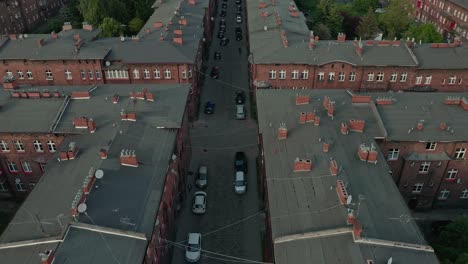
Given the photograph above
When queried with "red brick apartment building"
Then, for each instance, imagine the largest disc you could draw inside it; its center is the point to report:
(285, 54)
(105, 139)
(19, 16)
(449, 16)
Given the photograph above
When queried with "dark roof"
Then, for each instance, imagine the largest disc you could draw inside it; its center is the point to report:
(441, 58)
(266, 45)
(300, 203)
(152, 136)
(62, 48)
(461, 3)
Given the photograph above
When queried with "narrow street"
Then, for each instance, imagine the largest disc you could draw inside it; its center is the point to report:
(233, 223)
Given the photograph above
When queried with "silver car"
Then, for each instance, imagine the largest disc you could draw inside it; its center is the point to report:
(202, 177)
(199, 203)
(193, 248)
(240, 112)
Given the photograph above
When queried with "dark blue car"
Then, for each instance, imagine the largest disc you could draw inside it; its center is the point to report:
(209, 107)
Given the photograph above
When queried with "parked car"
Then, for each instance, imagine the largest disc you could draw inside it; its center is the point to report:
(209, 107)
(238, 2)
(240, 183)
(240, 162)
(201, 180)
(239, 19)
(215, 72)
(193, 248)
(240, 97)
(238, 37)
(240, 112)
(224, 5)
(238, 30)
(199, 203)
(223, 13)
(220, 35)
(222, 21)
(217, 55)
(224, 41)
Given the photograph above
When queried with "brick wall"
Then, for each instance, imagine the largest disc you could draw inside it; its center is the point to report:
(35, 158)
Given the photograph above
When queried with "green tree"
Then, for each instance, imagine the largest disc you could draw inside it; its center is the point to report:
(143, 9)
(452, 243)
(368, 25)
(395, 18)
(427, 33)
(334, 20)
(110, 27)
(322, 31)
(117, 10)
(136, 24)
(54, 24)
(92, 11)
(362, 6)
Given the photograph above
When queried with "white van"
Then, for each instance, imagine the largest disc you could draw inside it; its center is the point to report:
(240, 183)
(240, 112)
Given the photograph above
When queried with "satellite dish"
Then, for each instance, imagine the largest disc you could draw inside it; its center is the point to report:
(25, 35)
(108, 63)
(82, 208)
(349, 200)
(390, 260)
(99, 174)
(17, 181)
(20, 36)
(265, 28)
(122, 38)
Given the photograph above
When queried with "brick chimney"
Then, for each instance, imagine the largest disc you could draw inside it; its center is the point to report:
(384, 101)
(326, 102)
(47, 257)
(191, 2)
(128, 116)
(464, 104)
(262, 5)
(80, 95)
(301, 165)
(357, 125)
(92, 126)
(178, 40)
(128, 158)
(351, 217)
(310, 117)
(372, 157)
(311, 40)
(333, 166)
(302, 117)
(359, 48)
(341, 37)
(317, 120)
(67, 26)
(452, 100)
(80, 122)
(115, 99)
(341, 190)
(302, 99)
(72, 151)
(361, 99)
(40, 42)
(53, 35)
(363, 152)
(158, 24)
(420, 125)
(325, 147)
(331, 109)
(149, 96)
(87, 26)
(344, 129)
(357, 229)
(282, 131)
(103, 154)
(443, 126)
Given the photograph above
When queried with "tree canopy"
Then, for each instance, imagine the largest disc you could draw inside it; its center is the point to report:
(368, 25)
(427, 33)
(110, 27)
(395, 18)
(452, 243)
(362, 6)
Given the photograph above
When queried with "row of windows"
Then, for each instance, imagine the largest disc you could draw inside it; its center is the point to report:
(394, 152)
(49, 75)
(19, 186)
(19, 146)
(443, 195)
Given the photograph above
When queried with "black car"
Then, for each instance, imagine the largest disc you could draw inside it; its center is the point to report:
(220, 34)
(224, 5)
(239, 8)
(238, 30)
(224, 41)
(240, 97)
(215, 72)
(217, 55)
(240, 162)
(223, 13)
(238, 2)
(222, 22)
(222, 28)
(209, 107)
(239, 37)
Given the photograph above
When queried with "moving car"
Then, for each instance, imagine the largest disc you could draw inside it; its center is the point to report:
(240, 97)
(240, 184)
(202, 176)
(209, 107)
(217, 55)
(224, 41)
(193, 248)
(199, 203)
(240, 112)
(239, 19)
(240, 162)
(215, 72)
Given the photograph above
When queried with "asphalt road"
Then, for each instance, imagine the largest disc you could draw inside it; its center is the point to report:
(233, 223)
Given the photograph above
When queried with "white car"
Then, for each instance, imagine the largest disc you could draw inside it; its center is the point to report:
(193, 248)
(239, 19)
(199, 203)
(240, 184)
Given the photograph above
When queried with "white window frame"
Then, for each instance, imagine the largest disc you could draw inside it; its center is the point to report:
(352, 76)
(167, 74)
(38, 146)
(146, 74)
(417, 188)
(3, 186)
(9, 73)
(444, 194)
(19, 145)
(305, 75)
(331, 76)
(451, 174)
(428, 79)
(321, 76)
(403, 77)
(98, 74)
(370, 76)
(295, 75)
(68, 74)
(460, 153)
(49, 75)
(380, 76)
(394, 77)
(184, 74)
(83, 74)
(30, 75)
(452, 79)
(51, 146)
(20, 74)
(464, 194)
(393, 154)
(90, 74)
(424, 167)
(341, 76)
(26, 166)
(4, 146)
(156, 74)
(190, 73)
(282, 74)
(272, 74)
(136, 74)
(418, 79)
(11, 165)
(431, 145)
(20, 187)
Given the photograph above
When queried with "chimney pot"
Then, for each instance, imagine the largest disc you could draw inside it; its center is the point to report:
(282, 131)
(302, 99)
(103, 154)
(357, 125)
(420, 126)
(310, 117)
(301, 165)
(333, 166)
(341, 190)
(302, 117)
(92, 126)
(326, 147)
(317, 120)
(128, 158)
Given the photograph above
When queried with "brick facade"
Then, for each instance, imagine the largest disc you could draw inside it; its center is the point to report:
(408, 173)
(34, 157)
(449, 17)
